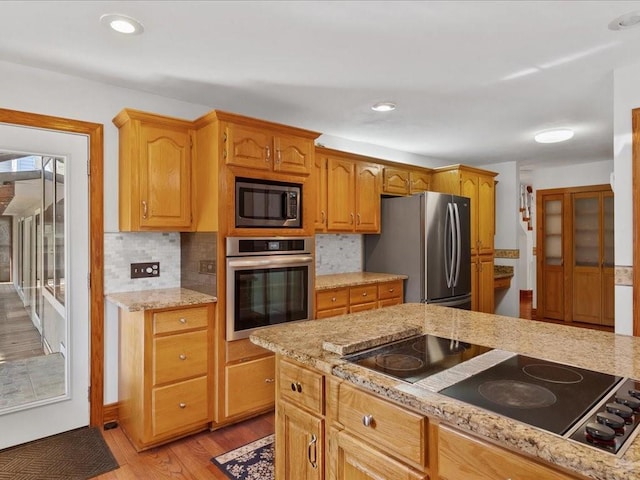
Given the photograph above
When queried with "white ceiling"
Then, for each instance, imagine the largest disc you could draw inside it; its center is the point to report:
(473, 81)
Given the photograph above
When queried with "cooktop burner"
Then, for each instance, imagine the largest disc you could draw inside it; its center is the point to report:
(415, 358)
(534, 391)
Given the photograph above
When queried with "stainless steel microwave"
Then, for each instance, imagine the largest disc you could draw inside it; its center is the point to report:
(266, 204)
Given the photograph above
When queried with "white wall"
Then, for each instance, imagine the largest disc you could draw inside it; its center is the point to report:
(39, 91)
(626, 97)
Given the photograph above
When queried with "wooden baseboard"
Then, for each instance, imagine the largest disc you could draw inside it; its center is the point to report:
(110, 413)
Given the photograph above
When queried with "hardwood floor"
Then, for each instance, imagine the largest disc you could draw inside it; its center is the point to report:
(19, 339)
(186, 459)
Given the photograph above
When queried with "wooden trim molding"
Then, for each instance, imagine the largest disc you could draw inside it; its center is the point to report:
(635, 121)
(95, 135)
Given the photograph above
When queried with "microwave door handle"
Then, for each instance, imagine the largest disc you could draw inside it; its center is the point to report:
(272, 261)
(285, 205)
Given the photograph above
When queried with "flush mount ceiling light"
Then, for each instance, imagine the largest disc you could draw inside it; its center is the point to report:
(122, 23)
(625, 21)
(384, 106)
(554, 136)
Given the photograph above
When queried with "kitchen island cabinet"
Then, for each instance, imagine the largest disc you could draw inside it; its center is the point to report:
(459, 440)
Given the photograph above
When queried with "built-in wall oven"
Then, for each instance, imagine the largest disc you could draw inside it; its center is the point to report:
(269, 281)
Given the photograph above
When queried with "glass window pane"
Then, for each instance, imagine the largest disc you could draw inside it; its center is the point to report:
(48, 243)
(59, 230)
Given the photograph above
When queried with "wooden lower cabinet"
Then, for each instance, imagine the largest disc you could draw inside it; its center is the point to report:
(358, 298)
(462, 456)
(333, 430)
(250, 386)
(359, 461)
(482, 284)
(165, 378)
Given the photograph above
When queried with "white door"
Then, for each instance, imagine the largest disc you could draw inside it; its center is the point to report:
(70, 410)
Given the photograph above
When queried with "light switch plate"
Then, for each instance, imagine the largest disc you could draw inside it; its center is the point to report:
(145, 270)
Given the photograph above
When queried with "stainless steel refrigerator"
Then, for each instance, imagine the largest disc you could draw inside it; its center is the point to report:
(426, 237)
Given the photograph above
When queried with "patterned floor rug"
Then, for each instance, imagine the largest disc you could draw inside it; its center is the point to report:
(75, 455)
(253, 461)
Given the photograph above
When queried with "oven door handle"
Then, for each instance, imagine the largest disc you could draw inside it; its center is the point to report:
(270, 262)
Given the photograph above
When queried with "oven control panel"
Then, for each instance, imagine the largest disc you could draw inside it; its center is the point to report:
(614, 421)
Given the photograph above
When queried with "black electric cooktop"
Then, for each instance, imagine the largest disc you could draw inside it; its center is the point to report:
(416, 358)
(543, 394)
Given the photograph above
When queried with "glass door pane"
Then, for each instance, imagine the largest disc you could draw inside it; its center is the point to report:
(586, 231)
(553, 232)
(607, 220)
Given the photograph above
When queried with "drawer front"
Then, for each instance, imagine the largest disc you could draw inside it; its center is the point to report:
(179, 406)
(363, 294)
(330, 299)
(334, 312)
(180, 320)
(250, 386)
(390, 290)
(243, 350)
(361, 307)
(388, 302)
(387, 423)
(180, 356)
(460, 456)
(301, 386)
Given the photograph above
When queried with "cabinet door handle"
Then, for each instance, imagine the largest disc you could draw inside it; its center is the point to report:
(352, 218)
(367, 420)
(269, 380)
(322, 217)
(144, 209)
(312, 444)
(278, 156)
(268, 151)
(296, 387)
(182, 405)
(182, 356)
(358, 218)
(224, 153)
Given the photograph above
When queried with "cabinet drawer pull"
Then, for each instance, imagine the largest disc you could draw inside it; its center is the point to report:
(144, 209)
(391, 290)
(269, 380)
(182, 356)
(333, 299)
(312, 444)
(268, 151)
(183, 321)
(367, 420)
(182, 405)
(296, 387)
(364, 294)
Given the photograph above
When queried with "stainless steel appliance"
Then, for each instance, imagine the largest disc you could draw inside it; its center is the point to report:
(593, 408)
(426, 237)
(267, 204)
(269, 281)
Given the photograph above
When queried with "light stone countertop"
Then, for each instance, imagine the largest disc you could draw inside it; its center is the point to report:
(591, 349)
(502, 271)
(341, 280)
(159, 298)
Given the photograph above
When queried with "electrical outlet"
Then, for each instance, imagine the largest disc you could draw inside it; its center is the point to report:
(144, 270)
(207, 267)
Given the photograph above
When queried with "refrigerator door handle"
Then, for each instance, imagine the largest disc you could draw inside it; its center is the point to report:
(458, 245)
(450, 242)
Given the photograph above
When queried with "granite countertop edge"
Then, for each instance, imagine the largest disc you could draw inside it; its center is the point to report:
(153, 299)
(546, 341)
(342, 280)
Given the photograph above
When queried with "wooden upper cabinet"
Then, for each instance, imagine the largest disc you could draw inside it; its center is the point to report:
(367, 197)
(395, 181)
(267, 150)
(155, 169)
(320, 185)
(340, 195)
(399, 181)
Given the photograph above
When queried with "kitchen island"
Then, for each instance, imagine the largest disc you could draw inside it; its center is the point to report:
(457, 440)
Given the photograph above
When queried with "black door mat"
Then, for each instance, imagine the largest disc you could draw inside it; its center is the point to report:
(75, 455)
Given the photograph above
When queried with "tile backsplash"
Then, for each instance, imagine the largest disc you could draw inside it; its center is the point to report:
(198, 262)
(121, 249)
(339, 253)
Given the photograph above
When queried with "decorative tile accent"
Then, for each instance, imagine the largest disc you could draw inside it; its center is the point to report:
(121, 249)
(624, 275)
(198, 262)
(503, 253)
(338, 253)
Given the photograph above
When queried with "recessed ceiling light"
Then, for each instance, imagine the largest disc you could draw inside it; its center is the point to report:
(554, 136)
(122, 23)
(384, 106)
(625, 21)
